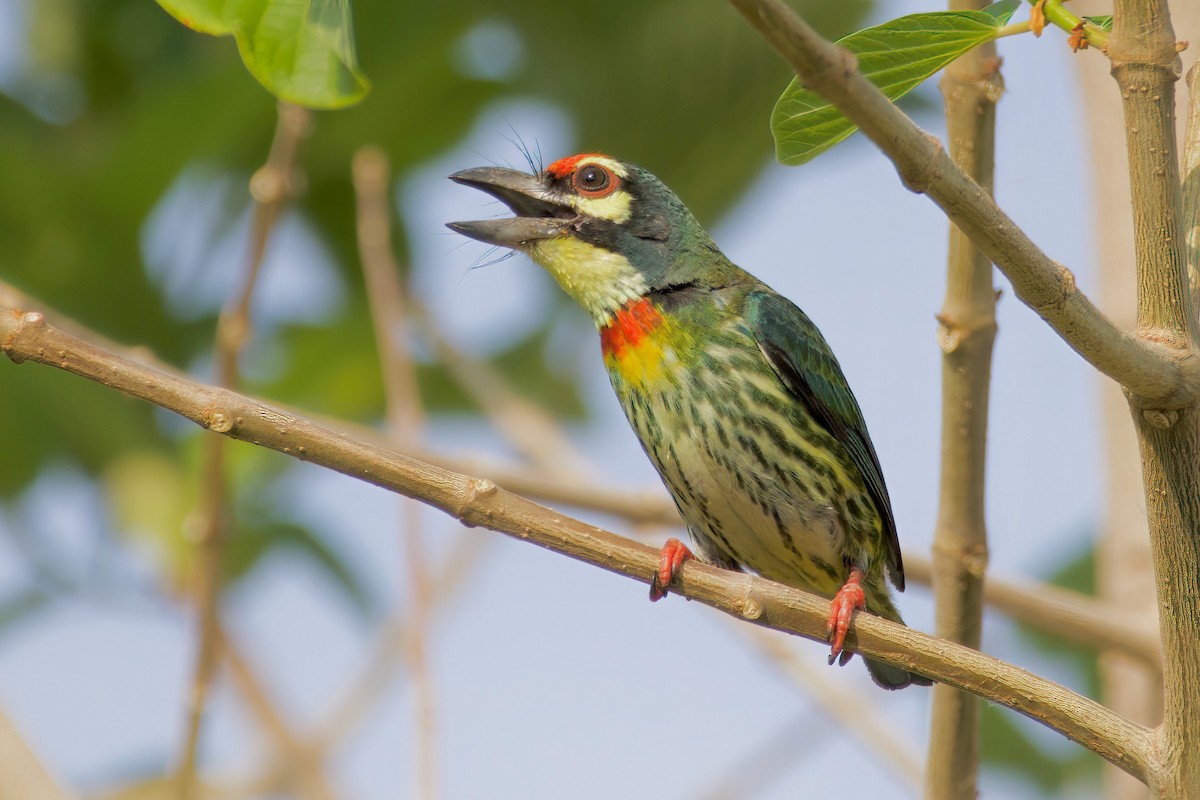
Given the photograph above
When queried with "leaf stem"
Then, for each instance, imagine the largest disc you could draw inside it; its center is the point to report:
(1013, 29)
(1058, 15)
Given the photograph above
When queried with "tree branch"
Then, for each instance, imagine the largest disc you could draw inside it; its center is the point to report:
(850, 709)
(966, 331)
(271, 187)
(21, 773)
(405, 421)
(1146, 66)
(1159, 374)
(1071, 615)
(27, 336)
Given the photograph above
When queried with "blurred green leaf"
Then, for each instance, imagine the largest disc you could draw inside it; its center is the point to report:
(896, 56)
(1103, 22)
(302, 51)
(21, 606)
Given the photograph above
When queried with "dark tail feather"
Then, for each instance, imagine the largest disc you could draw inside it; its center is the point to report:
(889, 677)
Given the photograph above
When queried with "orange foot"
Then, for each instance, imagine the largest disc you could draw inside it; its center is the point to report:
(849, 598)
(674, 553)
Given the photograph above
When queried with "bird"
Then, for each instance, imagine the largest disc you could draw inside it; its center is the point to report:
(733, 392)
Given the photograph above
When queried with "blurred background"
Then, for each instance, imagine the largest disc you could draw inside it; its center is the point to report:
(126, 146)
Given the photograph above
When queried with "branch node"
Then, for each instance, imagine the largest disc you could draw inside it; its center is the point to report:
(1065, 286)
(750, 608)
(918, 175)
(218, 421)
(482, 487)
(1160, 418)
(951, 333)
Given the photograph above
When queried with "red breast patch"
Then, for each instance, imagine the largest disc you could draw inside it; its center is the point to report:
(630, 325)
(565, 166)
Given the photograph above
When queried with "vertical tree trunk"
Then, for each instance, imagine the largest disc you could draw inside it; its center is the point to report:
(1146, 68)
(966, 331)
(1124, 566)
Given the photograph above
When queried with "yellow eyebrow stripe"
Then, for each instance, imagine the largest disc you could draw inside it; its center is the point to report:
(617, 207)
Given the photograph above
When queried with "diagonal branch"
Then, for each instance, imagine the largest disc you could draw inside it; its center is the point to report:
(27, 336)
(1159, 374)
(1077, 617)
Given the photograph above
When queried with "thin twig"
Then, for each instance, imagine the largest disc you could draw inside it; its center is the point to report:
(1159, 374)
(381, 671)
(270, 186)
(532, 432)
(473, 501)
(405, 420)
(22, 775)
(300, 764)
(768, 759)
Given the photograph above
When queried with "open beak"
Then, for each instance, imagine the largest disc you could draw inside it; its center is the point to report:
(538, 215)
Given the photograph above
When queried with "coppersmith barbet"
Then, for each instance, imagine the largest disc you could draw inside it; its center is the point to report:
(735, 395)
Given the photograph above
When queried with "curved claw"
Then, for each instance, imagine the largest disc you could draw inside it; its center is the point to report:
(849, 598)
(670, 561)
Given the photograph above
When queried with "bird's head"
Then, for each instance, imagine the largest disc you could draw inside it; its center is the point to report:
(609, 232)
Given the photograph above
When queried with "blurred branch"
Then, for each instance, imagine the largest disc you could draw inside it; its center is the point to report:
(271, 187)
(848, 708)
(1159, 374)
(473, 501)
(362, 695)
(1067, 614)
(534, 434)
(22, 776)
(405, 420)
(302, 765)
(970, 86)
(767, 759)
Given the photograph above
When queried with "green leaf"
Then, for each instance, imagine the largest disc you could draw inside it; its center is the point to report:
(896, 56)
(1103, 22)
(302, 52)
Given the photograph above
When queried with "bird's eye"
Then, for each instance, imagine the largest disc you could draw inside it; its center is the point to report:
(594, 180)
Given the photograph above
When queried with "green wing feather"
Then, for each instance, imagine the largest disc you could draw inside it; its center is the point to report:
(806, 365)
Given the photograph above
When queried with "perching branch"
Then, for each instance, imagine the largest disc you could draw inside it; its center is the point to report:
(27, 337)
(1159, 374)
(1071, 615)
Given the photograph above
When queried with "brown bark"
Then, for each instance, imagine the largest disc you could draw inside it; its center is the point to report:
(966, 332)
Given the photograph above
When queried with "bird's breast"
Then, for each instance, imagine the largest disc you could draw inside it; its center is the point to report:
(641, 345)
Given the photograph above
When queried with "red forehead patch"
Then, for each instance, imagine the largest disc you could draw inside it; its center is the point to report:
(565, 166)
